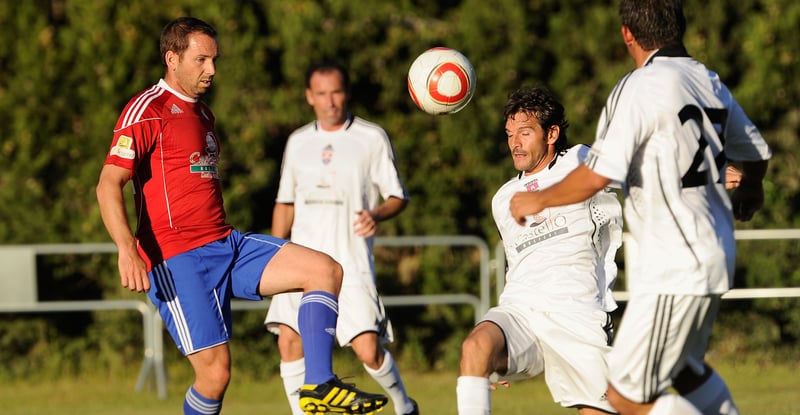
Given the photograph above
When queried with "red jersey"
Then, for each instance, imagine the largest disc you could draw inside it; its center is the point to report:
(169, 143)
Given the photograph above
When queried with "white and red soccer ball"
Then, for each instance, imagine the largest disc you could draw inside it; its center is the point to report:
(441, 81)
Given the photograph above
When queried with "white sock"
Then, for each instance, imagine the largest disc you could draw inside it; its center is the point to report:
(473, 395)
(713, 397)
(672, 404)
(389, 378)
(293, 375)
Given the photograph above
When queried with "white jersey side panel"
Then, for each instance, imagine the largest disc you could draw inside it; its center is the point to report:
(329, 176)
(562, 259)
(668, 146)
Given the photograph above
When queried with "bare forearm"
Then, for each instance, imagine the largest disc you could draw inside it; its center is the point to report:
(390, 208)
(282, 219)
(581, 184)
(112, 210)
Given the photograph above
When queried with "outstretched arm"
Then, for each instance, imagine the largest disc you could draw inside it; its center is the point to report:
(581, 184)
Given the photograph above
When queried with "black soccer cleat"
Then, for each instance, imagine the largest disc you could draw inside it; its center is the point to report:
(337, 396)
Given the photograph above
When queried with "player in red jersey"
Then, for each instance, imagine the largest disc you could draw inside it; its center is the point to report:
(183, 253)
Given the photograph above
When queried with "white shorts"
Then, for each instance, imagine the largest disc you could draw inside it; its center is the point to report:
(360, 310)
(659, 336)
(570, 347)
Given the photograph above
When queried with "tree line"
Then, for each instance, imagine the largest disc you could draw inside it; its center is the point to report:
(68, 67)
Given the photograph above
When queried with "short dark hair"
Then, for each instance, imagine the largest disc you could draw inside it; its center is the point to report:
(543, 105)
(328, 66)
(175, 35)
(654, 23)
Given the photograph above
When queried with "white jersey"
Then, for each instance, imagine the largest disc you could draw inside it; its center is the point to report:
(329, 176)
(665, 133)
(562, 259)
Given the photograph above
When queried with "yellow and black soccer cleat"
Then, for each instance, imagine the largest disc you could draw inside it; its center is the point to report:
(339, 397)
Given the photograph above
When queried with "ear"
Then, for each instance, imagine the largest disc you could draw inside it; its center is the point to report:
(552, 134)
(171, 58)
(309, 97)
(627, 35)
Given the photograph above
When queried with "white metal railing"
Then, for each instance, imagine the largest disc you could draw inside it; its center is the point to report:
(152, 326)
(629, 246)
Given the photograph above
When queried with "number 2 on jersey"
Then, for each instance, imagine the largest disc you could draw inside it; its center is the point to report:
(695, 176)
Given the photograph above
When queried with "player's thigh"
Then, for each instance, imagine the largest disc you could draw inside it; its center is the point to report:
(660, 335)
(575, 346)
(191, 293)
(298, 268)
(524, 354)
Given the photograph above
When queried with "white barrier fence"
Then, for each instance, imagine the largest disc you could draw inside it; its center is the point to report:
(18, 290)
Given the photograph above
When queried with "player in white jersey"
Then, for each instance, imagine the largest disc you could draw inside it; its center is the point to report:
(338, 180)
(667, 132)
(553, 313)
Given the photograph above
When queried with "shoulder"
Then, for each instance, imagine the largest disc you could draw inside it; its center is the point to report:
(305, 131)
(579, 151)
(362, 126)
(147, 104)
(572, 157)
(508, 188)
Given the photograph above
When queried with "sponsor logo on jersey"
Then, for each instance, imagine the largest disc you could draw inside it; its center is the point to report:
(205, 162)
(176, 109)
(542, 231)
(123, 148)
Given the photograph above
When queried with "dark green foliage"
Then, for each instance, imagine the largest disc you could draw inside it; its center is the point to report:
(68, 67)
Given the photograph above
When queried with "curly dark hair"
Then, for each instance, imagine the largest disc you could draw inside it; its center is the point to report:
(542, 104)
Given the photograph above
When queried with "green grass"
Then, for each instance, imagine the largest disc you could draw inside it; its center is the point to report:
(758, 389)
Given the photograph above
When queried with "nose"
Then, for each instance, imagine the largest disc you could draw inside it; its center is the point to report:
(512, 141)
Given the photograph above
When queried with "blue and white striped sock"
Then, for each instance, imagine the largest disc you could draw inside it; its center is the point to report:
(195, 404)
(316, 319)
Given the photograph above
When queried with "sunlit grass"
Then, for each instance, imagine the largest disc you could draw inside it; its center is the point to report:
(763, 389)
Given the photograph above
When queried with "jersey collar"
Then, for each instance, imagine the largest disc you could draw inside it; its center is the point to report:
(347, 123)
(549, 165)
(669, 52)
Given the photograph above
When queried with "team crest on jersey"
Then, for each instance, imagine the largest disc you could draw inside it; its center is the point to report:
(327, 154)
(123, 148)
(205, 163)
(533, 186)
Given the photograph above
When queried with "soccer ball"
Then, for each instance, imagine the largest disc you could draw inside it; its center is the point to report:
(441, 81)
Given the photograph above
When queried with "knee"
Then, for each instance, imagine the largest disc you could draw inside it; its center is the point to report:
(369, 350)
(213, 381)
(475, 357)
(471, 346)
(334, 274)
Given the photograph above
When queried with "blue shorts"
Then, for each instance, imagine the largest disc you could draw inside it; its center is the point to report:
(193, 290)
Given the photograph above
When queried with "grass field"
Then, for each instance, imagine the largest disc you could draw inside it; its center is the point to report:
(771, 389)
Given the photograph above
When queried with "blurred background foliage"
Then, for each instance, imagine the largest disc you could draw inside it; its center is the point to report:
(68, 67)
